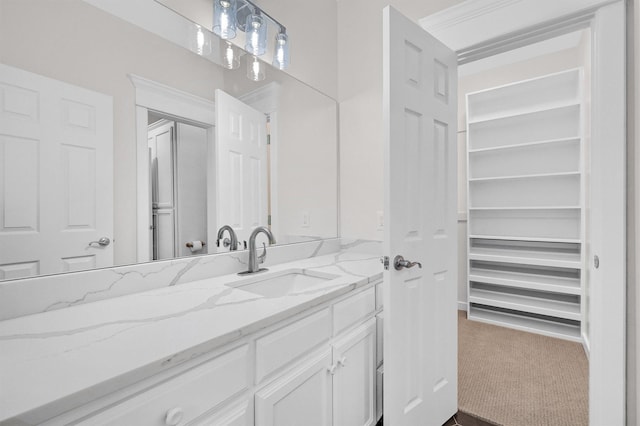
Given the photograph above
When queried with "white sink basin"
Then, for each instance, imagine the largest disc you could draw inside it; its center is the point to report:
(282, 283)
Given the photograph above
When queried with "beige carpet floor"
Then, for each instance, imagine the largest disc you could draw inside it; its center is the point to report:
(515, 378)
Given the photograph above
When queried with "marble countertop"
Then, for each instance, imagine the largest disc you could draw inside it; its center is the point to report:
(55, 359)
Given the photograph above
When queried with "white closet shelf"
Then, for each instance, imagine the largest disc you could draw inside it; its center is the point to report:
(526, 281)
(525, 145)
(522, 112)
(535, 325)
(525, 208)
(535, 305)
(525, 204)
(526, 257)
(531, 176)
(535, 239)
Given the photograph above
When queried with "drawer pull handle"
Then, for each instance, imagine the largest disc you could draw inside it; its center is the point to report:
(342, 361)
(332, 368)
(174, 416)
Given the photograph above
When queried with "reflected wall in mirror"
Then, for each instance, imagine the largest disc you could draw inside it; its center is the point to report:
(84, 159)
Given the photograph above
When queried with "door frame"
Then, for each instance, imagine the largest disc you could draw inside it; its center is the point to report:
(460, 27)
(187, 108)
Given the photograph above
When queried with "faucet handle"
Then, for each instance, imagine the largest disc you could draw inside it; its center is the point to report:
(263, 256)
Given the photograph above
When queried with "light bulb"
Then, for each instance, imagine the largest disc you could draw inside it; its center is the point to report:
(256, 38)
(224, 22)
(255, 70)
(281, 54)
(231, 60)
(200, 41)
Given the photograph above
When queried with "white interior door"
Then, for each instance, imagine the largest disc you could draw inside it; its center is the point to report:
(241, 149)
(420, 327)
(56, 175)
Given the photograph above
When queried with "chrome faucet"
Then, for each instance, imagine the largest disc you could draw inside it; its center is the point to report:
(232, 241)
(254, 260)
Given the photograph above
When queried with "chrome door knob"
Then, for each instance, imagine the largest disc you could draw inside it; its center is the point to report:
(102, 242)
(400, 263)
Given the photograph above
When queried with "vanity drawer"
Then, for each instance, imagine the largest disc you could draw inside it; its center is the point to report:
(353, 309)
(185, 397)
(283, 346)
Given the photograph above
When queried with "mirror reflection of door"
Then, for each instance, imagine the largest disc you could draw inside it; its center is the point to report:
(241, 144)
(178, 153)
(56, 176)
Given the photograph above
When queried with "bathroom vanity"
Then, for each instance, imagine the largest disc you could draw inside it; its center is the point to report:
(298, 344)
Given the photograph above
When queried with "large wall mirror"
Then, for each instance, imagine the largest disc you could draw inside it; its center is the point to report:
(125, 138)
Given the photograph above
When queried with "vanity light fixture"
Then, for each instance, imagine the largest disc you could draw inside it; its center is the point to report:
(224, 18)
(281, 53)
(256, 34)
(244, 15)
(255, 69)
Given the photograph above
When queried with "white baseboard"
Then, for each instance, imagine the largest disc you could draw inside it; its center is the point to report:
(463, 306)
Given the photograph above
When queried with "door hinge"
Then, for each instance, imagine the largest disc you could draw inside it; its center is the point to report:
(385, 262)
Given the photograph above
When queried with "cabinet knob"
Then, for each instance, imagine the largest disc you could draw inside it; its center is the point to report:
(174, 416)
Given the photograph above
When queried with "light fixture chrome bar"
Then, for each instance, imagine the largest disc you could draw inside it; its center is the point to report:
(283, 29)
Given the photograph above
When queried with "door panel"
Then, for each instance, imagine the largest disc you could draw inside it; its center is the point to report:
(354, 396)
(241, 143)
(56, 175)
(301, 397)
(420, 351)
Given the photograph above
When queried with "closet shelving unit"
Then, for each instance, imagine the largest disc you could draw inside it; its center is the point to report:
(526, 205)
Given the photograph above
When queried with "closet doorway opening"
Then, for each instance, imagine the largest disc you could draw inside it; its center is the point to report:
(178, 176)
(525, 135)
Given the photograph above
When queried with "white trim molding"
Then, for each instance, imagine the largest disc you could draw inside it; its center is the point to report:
(160, 97)
(169, 101)
(474, 22)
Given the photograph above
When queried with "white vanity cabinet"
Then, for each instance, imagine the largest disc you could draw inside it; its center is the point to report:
(354, 380)
(178, 400)
(300, 397)
(315, 368)
(334, 386)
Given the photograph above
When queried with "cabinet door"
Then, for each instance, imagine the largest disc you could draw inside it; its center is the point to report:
(354, 396)
(300, 397)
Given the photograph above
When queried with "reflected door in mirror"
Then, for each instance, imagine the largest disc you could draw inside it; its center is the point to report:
(56, 176)
(241, 140)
